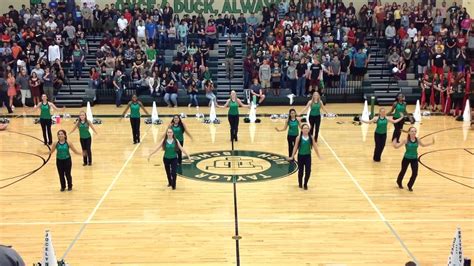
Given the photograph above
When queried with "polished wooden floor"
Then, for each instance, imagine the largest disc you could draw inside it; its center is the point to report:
(121, 212)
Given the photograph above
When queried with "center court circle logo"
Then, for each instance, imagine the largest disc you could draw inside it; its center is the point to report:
(245, 166)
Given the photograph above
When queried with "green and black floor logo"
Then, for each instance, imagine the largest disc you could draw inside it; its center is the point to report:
(245, 166)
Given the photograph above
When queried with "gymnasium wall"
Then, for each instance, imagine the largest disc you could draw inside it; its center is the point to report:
(217, 6)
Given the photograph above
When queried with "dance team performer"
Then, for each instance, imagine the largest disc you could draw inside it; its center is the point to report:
(399, 109)
(170, 145)
(410, 157)
(135, 105)
(314, 105)
(45, 107)
(233, 115)
(63, 159)
(303, 145)
(179, 129)
(380, 134)
(293, 124)
(85, 137)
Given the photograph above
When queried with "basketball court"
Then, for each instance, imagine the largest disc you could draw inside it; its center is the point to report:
(121, 211)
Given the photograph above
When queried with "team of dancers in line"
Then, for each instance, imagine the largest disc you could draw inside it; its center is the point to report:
(302, 137)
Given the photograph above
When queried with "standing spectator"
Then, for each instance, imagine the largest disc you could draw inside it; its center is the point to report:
(301, 68)
(345, 67)
(241, 24)
(118, 86)
(22, 81)
(265, 75)
(316, 74)
(291, 77)
(422, 58)
(183, 32)
(451, 48)
(87, 17)
(336, 71)
(461, 59)
(360, 64)
(390, 33)
(4, 94)
(141, 32)
(252, 21)
(150, 30)
(248, 70)
(171, 36)
(229, 59)
(276, 78)
(48, 87)
(11, 81)
(122, 23)
(35, 82)
(438, 62)
(162, 34)
(53, 53)
(211, 34)
(77, 60)
(50, 24)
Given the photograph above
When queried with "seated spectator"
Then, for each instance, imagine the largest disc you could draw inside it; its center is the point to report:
(171, 94)
(257, 92)
(192, 92)
(154, 84)
(209, 89)
(94, 82)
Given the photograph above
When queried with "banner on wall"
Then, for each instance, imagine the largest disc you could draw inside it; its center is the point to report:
(202, 6)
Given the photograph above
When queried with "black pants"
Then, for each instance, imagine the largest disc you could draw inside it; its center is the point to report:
(304, 164)
(315, 123)
(135, 123)
(170, 167)
(180, 154)
(414, 171)
(86, 149)
(64, 171)
(4, 100)
(46, 128)
(291, 144)
(398, 130)
(379, 145)
(234, 126)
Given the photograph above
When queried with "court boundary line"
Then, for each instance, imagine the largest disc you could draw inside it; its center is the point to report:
(188, 221)
(102, 199)
(371, 202)
(28, 174)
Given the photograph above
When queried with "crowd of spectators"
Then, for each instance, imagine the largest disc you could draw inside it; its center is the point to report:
(303, 46)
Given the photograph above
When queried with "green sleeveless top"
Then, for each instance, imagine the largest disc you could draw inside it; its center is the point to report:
(305, 146)
(381, 126)
(170, 150)
(233, 108)
(178, 133)
(411, 149)
(315, 109)
(62, 151)
(135, 110)
(293, 128)
(400, 109)
(84, 130)
(45, 111)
